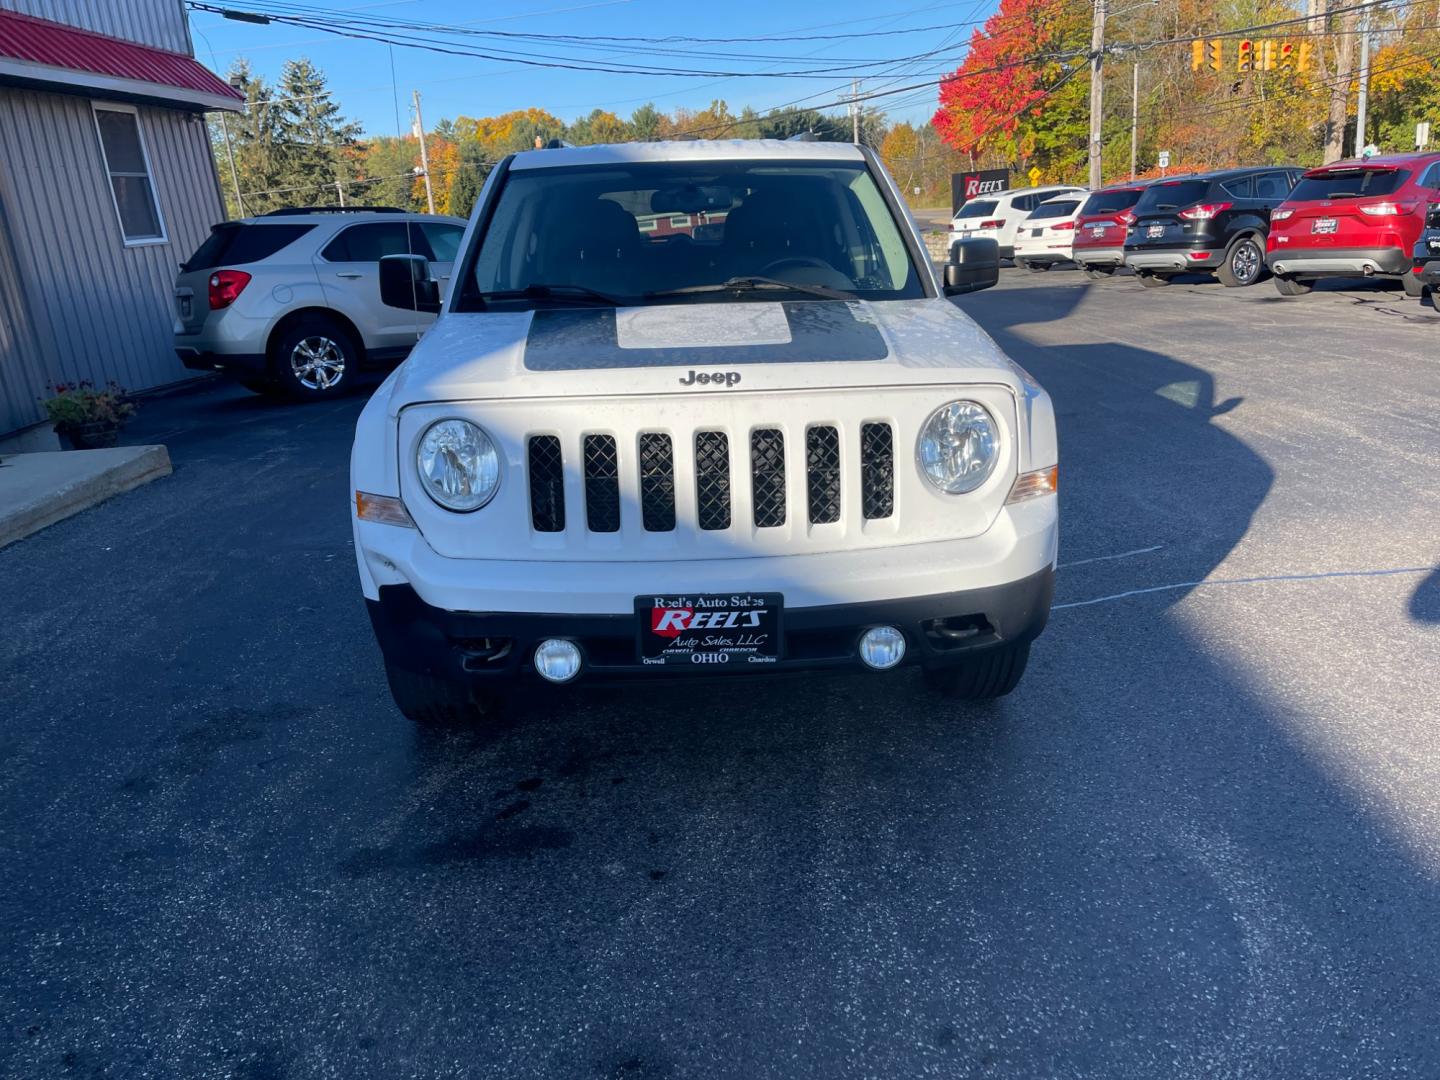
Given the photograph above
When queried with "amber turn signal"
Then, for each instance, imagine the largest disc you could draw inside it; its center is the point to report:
(1031, 484)
(382, 508)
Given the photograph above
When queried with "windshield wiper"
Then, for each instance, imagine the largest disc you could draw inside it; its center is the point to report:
(555, 292)
(752, 282)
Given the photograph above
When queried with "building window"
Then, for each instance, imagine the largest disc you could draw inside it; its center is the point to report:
(128, 166)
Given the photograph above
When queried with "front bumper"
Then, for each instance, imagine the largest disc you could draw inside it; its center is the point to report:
(1174, 261)
(1099, 256)
(496, 648)
(1337, 262)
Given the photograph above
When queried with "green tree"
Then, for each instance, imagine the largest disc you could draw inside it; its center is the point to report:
(315, 145)
(469, 179)
(645, 122)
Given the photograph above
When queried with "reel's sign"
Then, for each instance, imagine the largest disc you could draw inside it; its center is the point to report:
(966, 186)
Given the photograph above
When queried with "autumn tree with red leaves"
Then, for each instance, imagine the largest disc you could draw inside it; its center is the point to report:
(1019, 99)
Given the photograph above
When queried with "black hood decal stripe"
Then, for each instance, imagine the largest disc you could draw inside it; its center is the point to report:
(571, 339)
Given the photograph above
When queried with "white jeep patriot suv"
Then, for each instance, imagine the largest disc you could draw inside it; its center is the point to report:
(699, 408)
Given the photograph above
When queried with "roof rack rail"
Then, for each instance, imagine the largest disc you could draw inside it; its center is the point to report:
(286, 211)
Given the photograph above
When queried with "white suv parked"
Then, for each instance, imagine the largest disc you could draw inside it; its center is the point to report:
(290, 302)
(1047, 235)
(759, 439)
(999, 215)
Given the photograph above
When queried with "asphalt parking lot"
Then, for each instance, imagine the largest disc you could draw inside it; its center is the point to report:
(1201, 840)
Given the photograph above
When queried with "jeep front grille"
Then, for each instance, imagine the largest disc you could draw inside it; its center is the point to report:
(712, 479)
(767, 476)
(547, 484)
(604, 460)
(822, 469)
(877, 471)
(602, 484)
(657, 482)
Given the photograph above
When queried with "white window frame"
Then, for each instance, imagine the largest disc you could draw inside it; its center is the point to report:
(96, 108)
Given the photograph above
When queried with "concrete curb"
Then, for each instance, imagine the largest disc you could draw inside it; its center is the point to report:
(37, 490)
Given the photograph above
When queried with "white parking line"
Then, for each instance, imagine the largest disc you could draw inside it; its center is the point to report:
(1249, 581)
(1107, 558)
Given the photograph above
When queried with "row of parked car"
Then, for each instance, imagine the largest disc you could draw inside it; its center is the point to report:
(1377, 217)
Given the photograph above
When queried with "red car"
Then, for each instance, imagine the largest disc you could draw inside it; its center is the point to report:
(1353, 219)
(1100, 229)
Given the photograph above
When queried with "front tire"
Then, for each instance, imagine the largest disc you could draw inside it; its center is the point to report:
(315, 358)
(1244, 264)
(1152, 280)
(987, 675)
(1292, 286)
(438, 703)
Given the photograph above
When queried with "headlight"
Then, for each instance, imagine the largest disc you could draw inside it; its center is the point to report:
(958, 447)
(458, 465)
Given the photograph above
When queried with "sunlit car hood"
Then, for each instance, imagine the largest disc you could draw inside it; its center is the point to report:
(698, 348)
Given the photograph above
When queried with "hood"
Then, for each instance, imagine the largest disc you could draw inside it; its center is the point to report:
(698, 348)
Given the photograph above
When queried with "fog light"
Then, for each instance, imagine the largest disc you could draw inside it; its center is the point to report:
(882, 647)
(557, 660)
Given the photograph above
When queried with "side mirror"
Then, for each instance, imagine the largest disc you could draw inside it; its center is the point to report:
(405, 282)
(974, 265)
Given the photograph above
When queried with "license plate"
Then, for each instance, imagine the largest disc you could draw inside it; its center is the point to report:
(964, 234)
(1155, 231)
(708, 630)
(1097, 230)
(1324, 225)
(184, 307)
(1433, 243)
(1037, 232)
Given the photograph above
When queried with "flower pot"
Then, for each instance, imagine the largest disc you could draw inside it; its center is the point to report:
(93, 436)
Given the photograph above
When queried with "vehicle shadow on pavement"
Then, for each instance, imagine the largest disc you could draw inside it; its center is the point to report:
(229, 855)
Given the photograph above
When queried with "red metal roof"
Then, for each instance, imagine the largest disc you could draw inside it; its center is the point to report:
(52, 44)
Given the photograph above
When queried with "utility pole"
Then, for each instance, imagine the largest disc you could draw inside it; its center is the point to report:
(1339, 89)
(1364, 97)
(234, 173)
(340, 190)
(1134, 116)
(1097, 90)
(424, 154)
(855, 110)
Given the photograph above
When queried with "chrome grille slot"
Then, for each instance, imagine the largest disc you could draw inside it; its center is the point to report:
(657, 482)
(877, 471)
(822, 474)
(712, 479)
(547, 484)
(602, 484)
(767, 476)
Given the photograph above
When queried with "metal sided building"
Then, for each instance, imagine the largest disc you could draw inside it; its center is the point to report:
(106, 183)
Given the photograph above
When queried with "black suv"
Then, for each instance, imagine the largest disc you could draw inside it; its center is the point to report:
(1427, 253)
(1207, 223)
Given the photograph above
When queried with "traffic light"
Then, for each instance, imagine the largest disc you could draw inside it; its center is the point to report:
(1217, 55)
(1245, 59)
(1267, 56)
(1197, 55)
(1287, 56)
(1306, 49)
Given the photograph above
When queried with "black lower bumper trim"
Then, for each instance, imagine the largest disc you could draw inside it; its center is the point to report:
(495, 647)
(236, 363)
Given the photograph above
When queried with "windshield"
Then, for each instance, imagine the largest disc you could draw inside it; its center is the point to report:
(1172, 195)
(1109, 202)
(1349, 184)
(1064, 208)
(977, 208)
(669, 232)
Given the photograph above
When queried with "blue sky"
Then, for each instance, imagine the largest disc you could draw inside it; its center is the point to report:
(359, 72)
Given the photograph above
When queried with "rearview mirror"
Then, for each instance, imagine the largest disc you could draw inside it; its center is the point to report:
(973, 265)
(405, 282)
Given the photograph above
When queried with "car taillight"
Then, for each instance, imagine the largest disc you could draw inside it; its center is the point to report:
(1386, 209)
(225, 286)
(1064, 226)
(997, 223)
(1281, 214)
(1125, 217)
(1205, 211)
